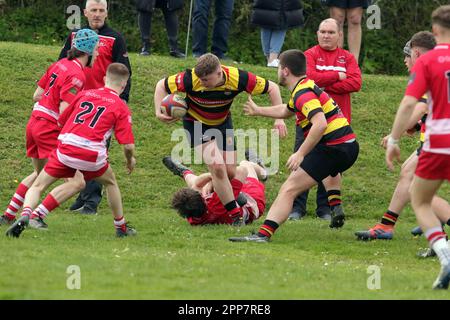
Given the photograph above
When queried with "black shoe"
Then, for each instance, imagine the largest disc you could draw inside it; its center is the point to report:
(324, 213)
(251, 238)
(88, 210)
(4, 221)
(17, 227)
(252, 156)
(177, 54)
(38, 223)
(417, 231)
(337, 217)
(297, 215)
(130, 231)
(77, 205)
(174, 166)
(426, 253)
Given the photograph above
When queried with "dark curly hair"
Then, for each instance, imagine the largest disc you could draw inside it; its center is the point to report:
(188, 203)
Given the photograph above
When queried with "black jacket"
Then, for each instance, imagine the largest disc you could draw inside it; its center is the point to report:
(113, 49)
(277, 14)
(149, 5)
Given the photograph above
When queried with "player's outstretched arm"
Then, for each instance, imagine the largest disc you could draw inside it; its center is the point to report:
(160, 93)
(129, 151)
(400, 125)
(277, 112)
(275, 98)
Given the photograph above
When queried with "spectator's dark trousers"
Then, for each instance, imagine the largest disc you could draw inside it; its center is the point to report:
(223, 13)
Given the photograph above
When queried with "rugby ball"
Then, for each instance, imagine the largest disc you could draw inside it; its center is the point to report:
(174, 106)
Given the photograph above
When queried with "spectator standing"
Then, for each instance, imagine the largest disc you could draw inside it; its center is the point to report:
(112, 48)
(169, 8)
(353, 11)
(222, 22)
(275, 17)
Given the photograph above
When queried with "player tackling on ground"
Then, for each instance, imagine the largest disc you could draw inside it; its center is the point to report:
(431, 73)
(200, 204)
(88, 122)
(210, 90)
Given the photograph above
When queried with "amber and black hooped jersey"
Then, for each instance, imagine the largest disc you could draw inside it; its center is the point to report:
(422, 121)
(307, 99)
(212, 106)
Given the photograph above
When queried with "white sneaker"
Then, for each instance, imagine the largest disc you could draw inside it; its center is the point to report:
(274, 63)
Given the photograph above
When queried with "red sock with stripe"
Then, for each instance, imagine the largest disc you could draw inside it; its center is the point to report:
(389, 218)
(268, 228)
(119, 223)
(48, 205)
(27, 211)
(233, 210)
(16, 202)
(438, 242)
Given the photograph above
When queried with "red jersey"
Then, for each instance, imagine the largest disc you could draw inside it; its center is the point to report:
(61, 82)
(87, 124)
(111, 48)
(324, 66)
(216, 213)
(431, 73)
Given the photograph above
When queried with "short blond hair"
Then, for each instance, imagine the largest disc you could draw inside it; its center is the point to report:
(117, 73)
(206, 64)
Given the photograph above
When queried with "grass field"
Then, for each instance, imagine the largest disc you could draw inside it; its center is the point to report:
(170, 259)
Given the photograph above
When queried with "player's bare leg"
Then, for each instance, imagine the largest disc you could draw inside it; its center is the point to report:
(354, 17)
(222, 166)
(400, 198)
(441, 208)
(55, 198)
(17, 199)
(42, 182)
(297, 182)
(422, 193)
(339, 15)
(253, 170)
(108, 180)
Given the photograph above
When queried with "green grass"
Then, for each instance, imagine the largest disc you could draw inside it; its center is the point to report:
(170, 259)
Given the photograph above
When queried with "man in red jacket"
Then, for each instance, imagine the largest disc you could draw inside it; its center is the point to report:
(332, 68)
(337, 72)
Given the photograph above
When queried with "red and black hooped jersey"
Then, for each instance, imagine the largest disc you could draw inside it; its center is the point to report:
(212, 106)
(307, 99)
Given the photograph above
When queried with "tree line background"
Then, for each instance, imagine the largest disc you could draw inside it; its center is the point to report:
(44, 22)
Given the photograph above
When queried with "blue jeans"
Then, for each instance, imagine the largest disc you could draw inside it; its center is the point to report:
(223, 13)
(272, 40)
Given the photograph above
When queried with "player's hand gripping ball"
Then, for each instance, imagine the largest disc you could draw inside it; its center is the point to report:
(174, 106)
